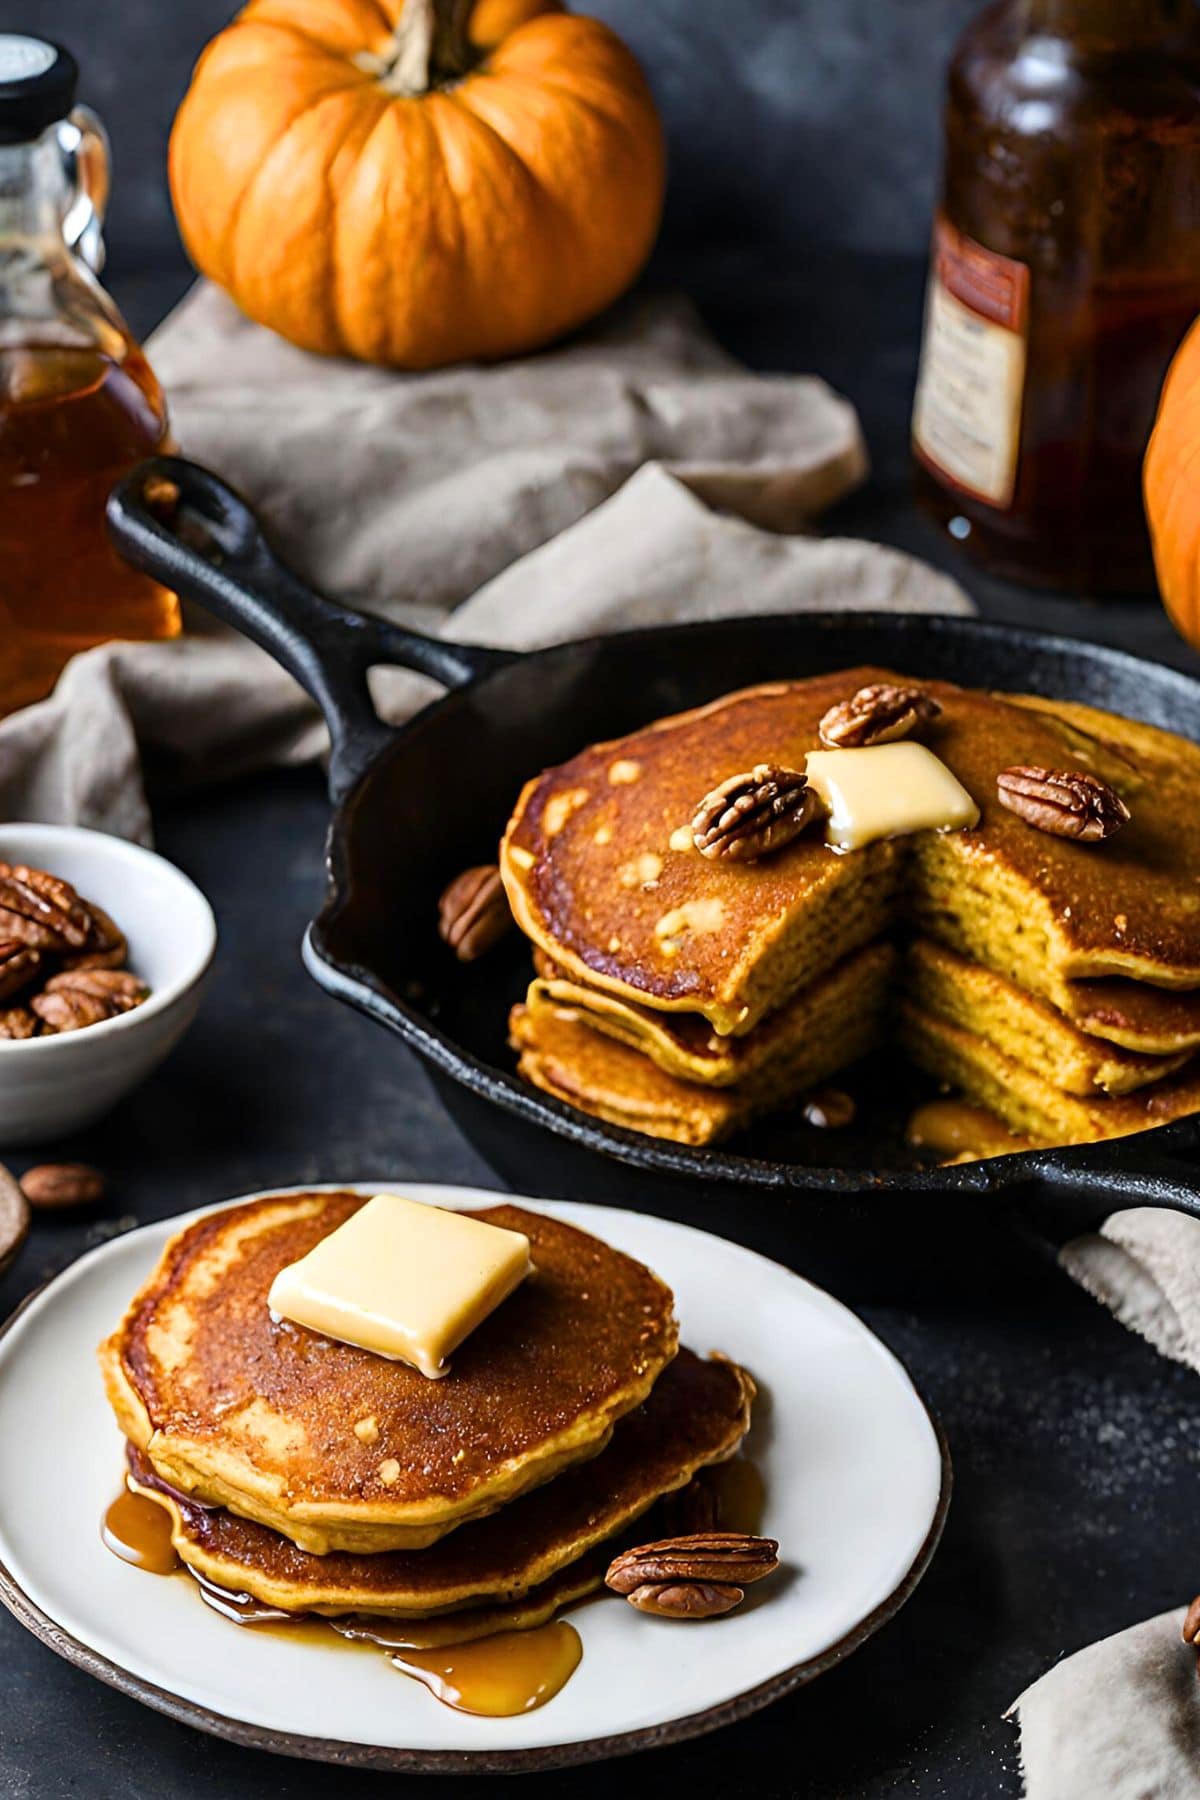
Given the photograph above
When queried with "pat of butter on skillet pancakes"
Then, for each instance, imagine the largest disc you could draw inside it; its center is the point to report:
(405, 1281)
(886, 791)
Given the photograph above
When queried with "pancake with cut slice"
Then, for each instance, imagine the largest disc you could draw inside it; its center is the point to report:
(339, 1449)
(600, 870)
(824, 1026)
(1028, 1030)
(697, 1414)
(1027, 1102)
(563, 1053)
(974, 907)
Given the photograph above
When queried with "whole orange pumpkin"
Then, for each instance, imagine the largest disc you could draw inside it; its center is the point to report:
(1171, 482)
(417, 181)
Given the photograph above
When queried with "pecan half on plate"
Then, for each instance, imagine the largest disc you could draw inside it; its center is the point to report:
(695, 1577)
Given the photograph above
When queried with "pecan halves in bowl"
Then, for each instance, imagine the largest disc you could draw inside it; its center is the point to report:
(39, 909)
(17, 1022)
(1067, 803)
(20, 965)
(473, 913)
(106, 947)
(878, 714)
(695, 1577)
(81, 997)
(754, 813)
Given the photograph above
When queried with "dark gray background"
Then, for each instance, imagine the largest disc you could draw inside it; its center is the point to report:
(790, 121)
(804, 153)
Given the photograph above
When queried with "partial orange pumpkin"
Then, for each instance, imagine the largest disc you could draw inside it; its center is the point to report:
(417, 182)
(1171, 481)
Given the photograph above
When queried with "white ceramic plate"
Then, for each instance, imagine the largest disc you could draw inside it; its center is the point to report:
(835, 1409)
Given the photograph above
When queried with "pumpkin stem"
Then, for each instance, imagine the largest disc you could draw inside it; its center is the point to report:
(431, 46)
(453, 53)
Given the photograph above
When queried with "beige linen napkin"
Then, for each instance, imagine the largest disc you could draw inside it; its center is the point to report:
(1144, 1265)
(1117, 1721)
(635, 475)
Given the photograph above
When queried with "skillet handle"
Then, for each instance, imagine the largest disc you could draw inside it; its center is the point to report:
(1119, 1175)
(200, 538)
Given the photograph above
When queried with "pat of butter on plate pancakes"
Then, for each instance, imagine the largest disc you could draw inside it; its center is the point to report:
(405, 1281)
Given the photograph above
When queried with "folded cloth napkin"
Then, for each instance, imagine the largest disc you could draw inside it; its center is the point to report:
(1144, 1264)
(1117, 1721)
(635, 475)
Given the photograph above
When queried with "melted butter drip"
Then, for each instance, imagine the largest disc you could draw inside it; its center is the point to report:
(271, 1621)
(740, 1494)
(138, 1530)
(498, 1677)
(952, 1128)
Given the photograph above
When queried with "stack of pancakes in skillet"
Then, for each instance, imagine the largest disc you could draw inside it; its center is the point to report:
(1055, 982)
(316, 1477)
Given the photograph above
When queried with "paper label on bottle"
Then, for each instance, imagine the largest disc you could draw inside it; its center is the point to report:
(967, 412)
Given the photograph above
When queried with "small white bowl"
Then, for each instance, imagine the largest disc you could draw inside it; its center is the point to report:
(52, 1086)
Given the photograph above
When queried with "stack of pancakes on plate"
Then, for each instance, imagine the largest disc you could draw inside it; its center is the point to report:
(316, 1477)
(1053, 981)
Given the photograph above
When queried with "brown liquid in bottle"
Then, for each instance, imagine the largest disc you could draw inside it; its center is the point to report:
(1069, 235)
(71, 422)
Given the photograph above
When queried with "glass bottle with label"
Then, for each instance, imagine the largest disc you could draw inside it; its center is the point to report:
(1065, 271)
(78, 402)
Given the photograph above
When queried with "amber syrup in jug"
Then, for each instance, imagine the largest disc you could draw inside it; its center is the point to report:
(79, 404)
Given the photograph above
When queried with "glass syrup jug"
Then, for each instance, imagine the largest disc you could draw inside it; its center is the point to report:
(79, 403)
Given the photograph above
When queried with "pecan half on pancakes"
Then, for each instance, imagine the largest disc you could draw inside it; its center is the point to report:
(1066, 803)
(878, 714)
(752, 814)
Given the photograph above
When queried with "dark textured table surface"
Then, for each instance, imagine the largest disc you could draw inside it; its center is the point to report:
(1075, 1447)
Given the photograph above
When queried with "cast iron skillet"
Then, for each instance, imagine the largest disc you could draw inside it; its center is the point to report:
(415, 805)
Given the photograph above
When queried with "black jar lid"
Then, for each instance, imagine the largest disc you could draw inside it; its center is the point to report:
(37, 86)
